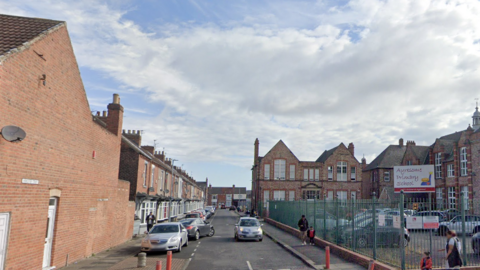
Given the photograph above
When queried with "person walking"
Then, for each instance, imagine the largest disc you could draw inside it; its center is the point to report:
(311, 235)
(303, 226)
(150, 221)
(453, 250)
(426, 263)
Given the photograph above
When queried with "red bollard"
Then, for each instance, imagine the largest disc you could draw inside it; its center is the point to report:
(169, 260)
(371, 265)
(327, 259)
(159, 265)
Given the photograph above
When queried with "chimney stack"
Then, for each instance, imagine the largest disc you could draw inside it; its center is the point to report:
(364, 163)
(114, 118)
(134, 136)
(400, 142)
(148, 148)
(351, 149)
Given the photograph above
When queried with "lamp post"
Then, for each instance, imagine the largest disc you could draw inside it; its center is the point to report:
(173, 185)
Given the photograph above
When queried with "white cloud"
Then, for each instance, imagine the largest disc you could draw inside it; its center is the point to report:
(411, 72)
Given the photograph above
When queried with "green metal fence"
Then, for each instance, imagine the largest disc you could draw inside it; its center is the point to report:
(374, 228)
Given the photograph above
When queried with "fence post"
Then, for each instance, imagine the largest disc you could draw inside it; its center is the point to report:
(353, 226)
(315, 212)
(430, 213)
(464, 232)
(336, 223)
(324, 218)
(374, 221)
(402, 231)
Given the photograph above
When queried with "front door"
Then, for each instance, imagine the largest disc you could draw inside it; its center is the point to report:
(3, 238)
(47, 253)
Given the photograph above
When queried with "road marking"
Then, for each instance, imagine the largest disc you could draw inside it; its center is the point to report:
(249, 266)
(193, 254)
(194, 250)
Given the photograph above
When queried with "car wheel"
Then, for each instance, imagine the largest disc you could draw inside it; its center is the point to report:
(260, 240)
(197, 235)
(362, 242)
(212, 232)
(179, 249)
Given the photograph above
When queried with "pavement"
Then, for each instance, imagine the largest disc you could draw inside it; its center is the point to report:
(312, 255)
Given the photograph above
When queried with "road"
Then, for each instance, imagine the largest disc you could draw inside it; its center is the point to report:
(221, 252)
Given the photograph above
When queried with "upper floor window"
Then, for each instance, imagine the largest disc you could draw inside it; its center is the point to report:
(317, 174)
(463, 161)
(330, 172)
(152, 177)
(305, 174)
(450, 170)
(310, 174)
(266, 173)
(353, 173)
(438, 165)
(144, 175)
(279, 195)
(292, 172)
(386, 176)
(341, 171)
(279, 169)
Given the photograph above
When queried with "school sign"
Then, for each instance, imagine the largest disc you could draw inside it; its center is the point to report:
(414, 179)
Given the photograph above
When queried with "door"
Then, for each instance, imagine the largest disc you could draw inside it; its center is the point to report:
(4, 218)
(203, 227)
(47, 252)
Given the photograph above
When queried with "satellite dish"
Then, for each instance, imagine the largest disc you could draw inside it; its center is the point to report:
(13, 133)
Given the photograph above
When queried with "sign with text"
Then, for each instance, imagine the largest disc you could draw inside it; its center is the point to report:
(414, 179)
(239, 196)
(396, 222)
(430, 222)
(381, 220)
(414, 222)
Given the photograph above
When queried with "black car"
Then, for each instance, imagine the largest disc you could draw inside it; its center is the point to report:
(197, 227)
(386, 235)
(233, 208)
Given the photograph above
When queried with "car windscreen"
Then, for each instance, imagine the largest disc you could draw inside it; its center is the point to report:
(249, 223)
(164, 229)
(187, 221)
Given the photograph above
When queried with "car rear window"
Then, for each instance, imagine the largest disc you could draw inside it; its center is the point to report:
(188, 221)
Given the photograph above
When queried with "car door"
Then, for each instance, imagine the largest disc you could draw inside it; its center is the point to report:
(200, 226)
(184, 234)
(456, 224)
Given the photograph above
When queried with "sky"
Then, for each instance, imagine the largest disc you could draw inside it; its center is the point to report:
(203, 79)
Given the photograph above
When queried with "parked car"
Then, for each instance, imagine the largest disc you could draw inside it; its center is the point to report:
(451, 213)
(202, 216)
(164, 237)
(209, 214)
(386, 235)
(193, 215)
(472, 225)
(330, 222)
(410, 212)
(233, 208)
(441, 216)
(211, 209)
(476, 243)
(248, 228)
(223, 206)
(197, 227)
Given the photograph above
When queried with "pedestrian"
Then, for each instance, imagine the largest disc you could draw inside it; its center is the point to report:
(426, 263)
(453, 250)
(311, 235)
(150, 221)
(303, 226)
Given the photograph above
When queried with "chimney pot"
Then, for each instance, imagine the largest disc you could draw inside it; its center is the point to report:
(400, 142)
(104, 114)
(98, 113)
(116, 99)
(129, 131)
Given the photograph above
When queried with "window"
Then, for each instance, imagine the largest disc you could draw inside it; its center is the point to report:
(279, 195)
(161, 184)
(144, 175)
(146, 208)
(463, 161)
(353, 173)
(291, 195)
(409, 162)
(152, 176)
(450, 171)
(266, 197)
(342, 195)
(452, 203)
(330, 172)
(439, 192)
(310, 174)
(465, 196)
(266, 174)
(317, 174)
(341, 171)
(311, 194)
(305, 174)
(279, 169)
(353, 195)
(330, 195)
(438, 165)
(292, 172)
(386, 176)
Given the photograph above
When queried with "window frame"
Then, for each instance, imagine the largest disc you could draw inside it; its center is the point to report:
(282, 163)
(342, 167)
(330, 173)
(266, 173)
(305, 174)
(144, 175)
(317, 175)
(152, 175)
(276, 195)
(290, 197)
(353, 175)
(292, 171)
(451, 198)
(450, 170)
(386, 176)
(463, 161)
(438, 165)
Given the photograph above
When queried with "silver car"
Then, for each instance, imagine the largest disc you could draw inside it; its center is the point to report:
(164, 237)
(248, 228)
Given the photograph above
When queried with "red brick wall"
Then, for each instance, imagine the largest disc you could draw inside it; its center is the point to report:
(93, 211)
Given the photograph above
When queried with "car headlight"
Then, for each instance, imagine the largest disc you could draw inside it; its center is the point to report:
(241, 229)
(174, 239)
(260, 230)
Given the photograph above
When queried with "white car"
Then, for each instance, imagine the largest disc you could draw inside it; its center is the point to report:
(472, 225)
(248, 228)
(164, 237)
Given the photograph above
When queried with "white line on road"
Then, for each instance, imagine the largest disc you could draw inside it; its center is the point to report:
(193, 254)
(249, 266)
(194, 250)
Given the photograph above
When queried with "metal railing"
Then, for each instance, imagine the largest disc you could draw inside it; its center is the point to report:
(374, 227)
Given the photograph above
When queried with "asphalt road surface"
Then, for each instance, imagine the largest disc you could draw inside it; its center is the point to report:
(221, 252)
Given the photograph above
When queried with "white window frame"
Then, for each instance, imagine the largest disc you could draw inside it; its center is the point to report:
(438, 165)
(386, 176)
(144, 175)
(342, 171)
(152, 176)
(330, 173)
(161, 184)
(279, 195)
(266, 196)
(145, 209)
(310, 174)
(464, 190)
(266, 171)
(292, 172)
(439, 197)
(279, 167)
(463, 161)
(353, 173)
(342, 195)
(353, 195)
(330, 195)
(450, 170)
(291, 195)
(317, 174)
(452, 200)
(305, 174)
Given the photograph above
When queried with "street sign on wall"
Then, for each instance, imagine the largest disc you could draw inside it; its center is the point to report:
(414, 179)
(239, 196)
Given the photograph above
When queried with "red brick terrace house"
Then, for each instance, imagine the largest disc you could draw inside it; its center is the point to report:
(60, 195)
(280, 175)
(227, 196)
